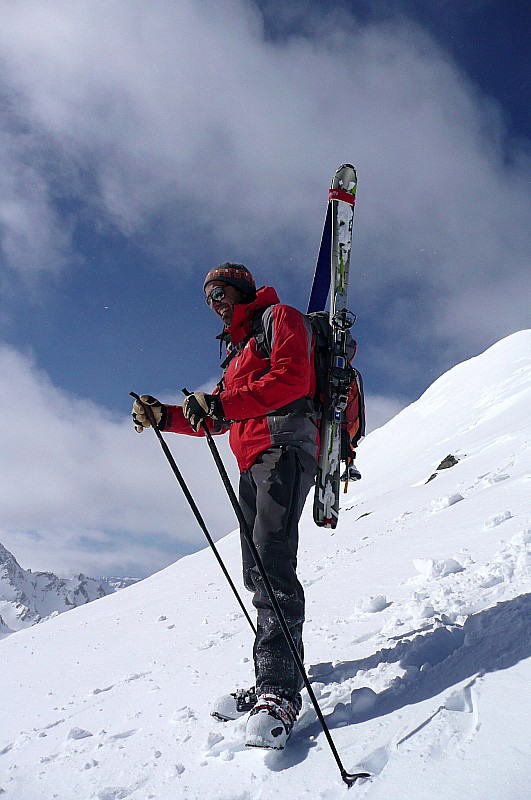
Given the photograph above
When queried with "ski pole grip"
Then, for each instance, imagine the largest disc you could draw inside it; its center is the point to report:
(187, 394)
(147, 408)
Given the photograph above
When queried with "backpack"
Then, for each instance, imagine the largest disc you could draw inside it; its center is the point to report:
(318, 324)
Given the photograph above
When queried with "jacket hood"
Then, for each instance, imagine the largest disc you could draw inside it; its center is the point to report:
(244, 313)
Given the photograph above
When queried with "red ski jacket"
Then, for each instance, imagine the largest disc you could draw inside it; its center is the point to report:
(259, 394)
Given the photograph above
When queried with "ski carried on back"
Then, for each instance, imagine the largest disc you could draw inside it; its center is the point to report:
(332, 273)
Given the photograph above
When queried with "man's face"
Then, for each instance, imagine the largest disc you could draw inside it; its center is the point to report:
(224, 307)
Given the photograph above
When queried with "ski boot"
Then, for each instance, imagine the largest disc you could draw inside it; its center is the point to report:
(270, 722)
(351, 473)
(234, 705)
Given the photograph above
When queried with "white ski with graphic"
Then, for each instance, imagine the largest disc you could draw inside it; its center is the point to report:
(341, 199)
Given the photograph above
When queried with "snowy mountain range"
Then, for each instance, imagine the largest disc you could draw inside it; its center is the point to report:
(27, 597)
(417, 640)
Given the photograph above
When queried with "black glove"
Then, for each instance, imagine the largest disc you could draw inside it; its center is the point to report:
(140, 417)
(198, 406)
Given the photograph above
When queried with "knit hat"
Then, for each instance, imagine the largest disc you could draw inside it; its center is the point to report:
(235, 274)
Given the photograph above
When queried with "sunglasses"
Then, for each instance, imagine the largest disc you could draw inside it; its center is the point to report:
(215, 295)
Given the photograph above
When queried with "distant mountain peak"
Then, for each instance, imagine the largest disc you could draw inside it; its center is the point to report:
(27, 598)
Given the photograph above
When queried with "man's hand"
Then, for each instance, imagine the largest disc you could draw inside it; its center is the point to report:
(198, 406)
(140, 417)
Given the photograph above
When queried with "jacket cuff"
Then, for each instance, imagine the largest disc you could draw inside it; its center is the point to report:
(217, 407)
(165, 418)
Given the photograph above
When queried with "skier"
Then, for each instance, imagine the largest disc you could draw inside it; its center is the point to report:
(266, 403)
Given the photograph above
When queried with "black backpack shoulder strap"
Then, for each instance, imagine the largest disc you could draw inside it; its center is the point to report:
(262, 331)
(233, 352)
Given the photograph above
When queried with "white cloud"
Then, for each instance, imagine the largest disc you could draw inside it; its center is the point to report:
(185, 112)
(235, 136)
(81, 491)
(162, 108)
(380, 409)
(33, 236)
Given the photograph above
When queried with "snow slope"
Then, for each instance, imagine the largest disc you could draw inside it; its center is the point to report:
(418, 637)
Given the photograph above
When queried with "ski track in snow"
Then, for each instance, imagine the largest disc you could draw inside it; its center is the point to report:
(418, 608)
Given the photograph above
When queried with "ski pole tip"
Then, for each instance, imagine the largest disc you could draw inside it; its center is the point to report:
(351, 778)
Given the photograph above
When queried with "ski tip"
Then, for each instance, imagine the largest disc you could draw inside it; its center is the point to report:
(345, 176)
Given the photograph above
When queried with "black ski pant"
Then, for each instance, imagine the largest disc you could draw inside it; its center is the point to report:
(272, 495)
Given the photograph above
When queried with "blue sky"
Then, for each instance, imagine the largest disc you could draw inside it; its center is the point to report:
(140, 144)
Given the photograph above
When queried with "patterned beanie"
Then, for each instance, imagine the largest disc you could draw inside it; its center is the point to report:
(235, 274)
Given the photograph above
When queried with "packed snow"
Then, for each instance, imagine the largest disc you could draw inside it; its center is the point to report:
(418, 636)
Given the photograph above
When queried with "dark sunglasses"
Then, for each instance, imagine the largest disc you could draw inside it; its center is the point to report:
(215, 295)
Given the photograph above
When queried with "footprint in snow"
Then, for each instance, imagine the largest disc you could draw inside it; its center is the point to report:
(135, 676)
(496, 519)
(114, 737)
(183, 714)
(491, 480)
(441, 503)
(373, 605)
(376, 761)
(225, 745)
(460, 700)
(90, 765)
(430, 568)
(121, 792)
(219, 638)
(317, 671)
(455, 721)
(76, 734)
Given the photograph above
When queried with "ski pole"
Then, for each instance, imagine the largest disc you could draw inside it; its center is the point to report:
(193, 506)
(349, 778)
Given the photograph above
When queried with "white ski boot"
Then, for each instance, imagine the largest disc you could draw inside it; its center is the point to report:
(234, 705)
(270, 722)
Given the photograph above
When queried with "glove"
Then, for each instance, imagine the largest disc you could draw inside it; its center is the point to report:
(140, 418)
(198, 406)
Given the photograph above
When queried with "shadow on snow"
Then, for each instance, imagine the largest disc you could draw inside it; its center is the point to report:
(491, 640)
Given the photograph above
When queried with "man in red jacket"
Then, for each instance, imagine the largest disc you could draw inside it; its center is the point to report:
(266, 403)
